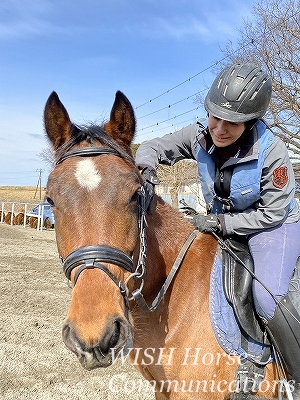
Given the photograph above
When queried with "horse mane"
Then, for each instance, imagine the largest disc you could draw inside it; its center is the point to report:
(92, 134)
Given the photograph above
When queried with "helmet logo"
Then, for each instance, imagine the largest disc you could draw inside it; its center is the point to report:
(227, 105)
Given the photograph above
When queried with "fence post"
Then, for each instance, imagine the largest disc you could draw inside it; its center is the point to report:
(25, 211)
(12, 213)
(39, 218)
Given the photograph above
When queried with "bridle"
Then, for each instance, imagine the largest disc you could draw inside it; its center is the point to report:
(90, 257)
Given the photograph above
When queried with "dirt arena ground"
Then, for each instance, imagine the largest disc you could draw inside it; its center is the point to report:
(34, 296)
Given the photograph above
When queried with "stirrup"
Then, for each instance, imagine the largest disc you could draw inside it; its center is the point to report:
(249, 377)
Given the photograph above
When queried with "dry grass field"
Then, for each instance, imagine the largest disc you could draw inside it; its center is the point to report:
(28, 194)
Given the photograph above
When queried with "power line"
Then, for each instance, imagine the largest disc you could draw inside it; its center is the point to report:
(192, 77)
(190, 120)
(182, 83)
(252, 41)
(20, 172)
(169, 119)
(173, 104)
(186, 98)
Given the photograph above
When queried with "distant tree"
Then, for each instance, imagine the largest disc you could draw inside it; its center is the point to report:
(47, 155)
(183, 173)
(272, 40)
(134, 148)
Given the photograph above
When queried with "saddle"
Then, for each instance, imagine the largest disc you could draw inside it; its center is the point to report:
(237, 282)
(236, 279)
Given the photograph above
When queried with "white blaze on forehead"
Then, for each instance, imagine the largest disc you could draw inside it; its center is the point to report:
(87, 175)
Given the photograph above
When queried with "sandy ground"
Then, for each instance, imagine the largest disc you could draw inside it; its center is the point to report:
(34, 296)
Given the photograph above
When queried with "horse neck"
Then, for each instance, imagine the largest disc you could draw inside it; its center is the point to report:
(166, 234)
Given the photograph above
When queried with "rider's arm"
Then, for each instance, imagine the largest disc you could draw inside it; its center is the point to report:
(168, 149)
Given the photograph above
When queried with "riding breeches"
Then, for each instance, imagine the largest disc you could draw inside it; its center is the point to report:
(275, 252)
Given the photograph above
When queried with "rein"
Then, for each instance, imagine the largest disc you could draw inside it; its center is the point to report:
(137, 294)
(90, 257)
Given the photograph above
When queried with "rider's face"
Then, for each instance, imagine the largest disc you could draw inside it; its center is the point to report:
(224, 133)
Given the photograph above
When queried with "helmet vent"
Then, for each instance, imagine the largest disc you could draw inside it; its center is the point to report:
(254, 95)
(225, 89)
(254, 78)
(235, 67)
(241, 95)
(258, 89)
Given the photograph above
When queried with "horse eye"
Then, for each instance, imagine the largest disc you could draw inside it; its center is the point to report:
(50, 201)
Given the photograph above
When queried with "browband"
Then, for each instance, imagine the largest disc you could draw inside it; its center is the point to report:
(88, 151)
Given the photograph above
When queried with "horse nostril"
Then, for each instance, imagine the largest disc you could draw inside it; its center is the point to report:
(108, 341)
(98, 350)
(115, 335)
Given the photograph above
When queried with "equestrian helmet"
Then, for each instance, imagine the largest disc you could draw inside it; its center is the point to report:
(239, 93)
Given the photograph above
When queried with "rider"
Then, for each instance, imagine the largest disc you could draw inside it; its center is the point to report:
(248, 185)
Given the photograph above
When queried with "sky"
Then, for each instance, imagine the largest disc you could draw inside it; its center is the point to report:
(159, 53)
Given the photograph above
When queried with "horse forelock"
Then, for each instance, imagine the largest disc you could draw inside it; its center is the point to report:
(92, 135)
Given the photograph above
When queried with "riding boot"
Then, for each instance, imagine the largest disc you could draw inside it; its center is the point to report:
(284, 330)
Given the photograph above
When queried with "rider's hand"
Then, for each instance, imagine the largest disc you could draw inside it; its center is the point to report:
(150, 180)
(207, 223)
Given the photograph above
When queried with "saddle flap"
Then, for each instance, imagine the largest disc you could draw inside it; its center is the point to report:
(237, 281)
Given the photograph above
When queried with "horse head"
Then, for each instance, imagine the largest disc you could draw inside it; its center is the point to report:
(95, 190)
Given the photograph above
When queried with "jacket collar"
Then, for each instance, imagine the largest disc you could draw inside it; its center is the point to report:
(249, 147)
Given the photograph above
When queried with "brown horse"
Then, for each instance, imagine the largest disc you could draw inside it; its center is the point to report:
(33, 222)
(19, 219)
(9, 218)
(96, 183)
(2, 216)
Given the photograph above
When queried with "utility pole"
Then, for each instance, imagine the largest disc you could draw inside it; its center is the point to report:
(39, 183)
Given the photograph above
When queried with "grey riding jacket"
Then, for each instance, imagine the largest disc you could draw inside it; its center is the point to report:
(273, 177)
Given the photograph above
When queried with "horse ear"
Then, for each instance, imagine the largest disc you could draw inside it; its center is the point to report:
(57, 122)
(121, 126)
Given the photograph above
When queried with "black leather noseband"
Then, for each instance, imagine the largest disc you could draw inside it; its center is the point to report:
(89, 257)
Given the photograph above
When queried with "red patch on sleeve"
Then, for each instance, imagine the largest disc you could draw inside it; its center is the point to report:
(280, 177)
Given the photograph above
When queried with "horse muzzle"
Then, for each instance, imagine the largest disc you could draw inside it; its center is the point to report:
(115, 340)
(98, 341)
